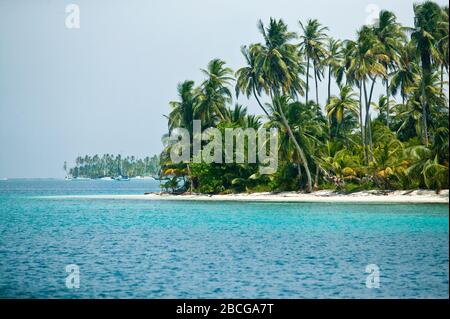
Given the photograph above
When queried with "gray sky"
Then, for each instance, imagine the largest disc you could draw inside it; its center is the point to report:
(104, 87)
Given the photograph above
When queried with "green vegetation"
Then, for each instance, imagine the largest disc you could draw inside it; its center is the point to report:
(113, 166)
(355, 141)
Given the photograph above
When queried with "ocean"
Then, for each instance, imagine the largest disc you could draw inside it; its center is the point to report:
(180, 249)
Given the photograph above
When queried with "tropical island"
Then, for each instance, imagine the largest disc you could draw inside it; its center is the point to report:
(112, 166)
(356, 142)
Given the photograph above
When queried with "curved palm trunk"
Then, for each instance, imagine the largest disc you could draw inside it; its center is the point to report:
(297, 146)
(299, 151)
(259, 102)
(220, 114)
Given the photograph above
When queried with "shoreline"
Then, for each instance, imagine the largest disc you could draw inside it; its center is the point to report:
(324, 196)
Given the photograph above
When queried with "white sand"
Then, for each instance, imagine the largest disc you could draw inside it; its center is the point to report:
(417, 196)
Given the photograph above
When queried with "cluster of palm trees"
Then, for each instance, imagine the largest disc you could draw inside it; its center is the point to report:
(109, 165)
(352, 141)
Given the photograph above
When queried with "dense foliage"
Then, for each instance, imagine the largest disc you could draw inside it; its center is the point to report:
(109, 165)
(356, 141)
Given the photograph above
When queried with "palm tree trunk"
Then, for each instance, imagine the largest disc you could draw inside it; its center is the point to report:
(317, 88)
(316, 179)
(368, 119)
(191, 184)
(424, 116)
(426, 75)
(329, 85)
(299, 151)
(387, 102)
(361, 124)
(259, 102)
(299, 171)
(307, 81)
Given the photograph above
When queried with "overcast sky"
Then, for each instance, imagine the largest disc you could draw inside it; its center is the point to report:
(103, 88)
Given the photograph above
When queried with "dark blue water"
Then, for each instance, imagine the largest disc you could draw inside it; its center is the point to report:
(161, 249)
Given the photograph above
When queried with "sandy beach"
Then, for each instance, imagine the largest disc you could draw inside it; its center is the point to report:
(394, 197)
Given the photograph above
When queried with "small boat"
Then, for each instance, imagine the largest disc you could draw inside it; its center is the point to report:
(122, 178)
(107, 178)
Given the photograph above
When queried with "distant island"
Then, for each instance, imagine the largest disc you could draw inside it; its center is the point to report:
(112, 166)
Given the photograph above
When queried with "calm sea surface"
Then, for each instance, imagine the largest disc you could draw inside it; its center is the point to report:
(161, 249)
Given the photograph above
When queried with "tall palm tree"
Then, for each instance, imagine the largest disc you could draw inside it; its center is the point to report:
(366, 64)
(183, 115)
(391, 37)
(215, 91)
(426, 24)
(335, 63)
(312, 43)
(308, 125)
(275, 67)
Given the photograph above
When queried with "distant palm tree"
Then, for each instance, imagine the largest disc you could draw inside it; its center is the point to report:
(313, 45)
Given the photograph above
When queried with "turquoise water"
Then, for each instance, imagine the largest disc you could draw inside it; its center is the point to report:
(160, 249)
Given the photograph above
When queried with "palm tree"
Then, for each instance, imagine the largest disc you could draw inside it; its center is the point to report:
(183, 114)
(214, 93)
(442, 45)
(307, 124)
(390, 35)
(430, 91)
(366, 64)
(312, 44)
(277, 64)
(426, 24)
(407, 73)
(338, 105)
(335, 63)
(183, 111)
(248, 78)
